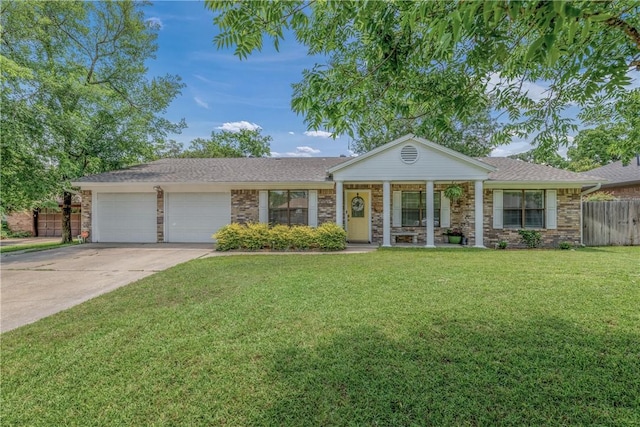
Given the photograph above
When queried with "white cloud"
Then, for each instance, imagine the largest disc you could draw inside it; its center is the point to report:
(155, 22)
(306, 149)
(303, 151)
(318, 134)
(292, 133)
(534, 91)
(237, 126)
(201, 103)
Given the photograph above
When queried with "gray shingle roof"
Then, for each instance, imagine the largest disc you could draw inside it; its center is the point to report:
(298, 169)
(616, 173)
(518, 170)
(289, 169)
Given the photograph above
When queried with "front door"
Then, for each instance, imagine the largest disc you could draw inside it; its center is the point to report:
(357, 215)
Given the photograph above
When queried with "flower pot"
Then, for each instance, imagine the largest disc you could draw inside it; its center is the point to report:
(455, 239)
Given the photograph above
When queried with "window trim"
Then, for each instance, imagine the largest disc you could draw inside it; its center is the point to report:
(437, 213)
(289, 208)
(523, 209)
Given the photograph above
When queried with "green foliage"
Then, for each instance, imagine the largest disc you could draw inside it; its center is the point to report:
(439, 63)
(243, 143)
(502, 244)
(229, 237)
(77, 99)
(531, 238)
(453, 192)
(331, 237)
(600, 196)
(256, 236)
(565, 245)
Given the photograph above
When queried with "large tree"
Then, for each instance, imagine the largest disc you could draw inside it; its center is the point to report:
(243, 143)
(443, 61)
(77, 99)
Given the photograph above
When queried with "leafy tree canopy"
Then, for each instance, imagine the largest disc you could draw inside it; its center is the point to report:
(76, 98)
(444, 61)
(243, 143)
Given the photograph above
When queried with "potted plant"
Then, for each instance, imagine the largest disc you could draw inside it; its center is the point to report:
(453, 192)
(454, 235)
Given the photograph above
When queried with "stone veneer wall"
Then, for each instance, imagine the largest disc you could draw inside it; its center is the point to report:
(326, 206)
(85, 215)
(160, 216)
(244, 206)
(569, 207)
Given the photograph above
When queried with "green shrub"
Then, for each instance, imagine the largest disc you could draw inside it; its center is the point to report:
(302, 237)
(600, 196)
(331, 237)
(255, 236)
(531, 238)
(565, 245)
(280, 237)
(502, 244)
(328, 237)
(229, 237)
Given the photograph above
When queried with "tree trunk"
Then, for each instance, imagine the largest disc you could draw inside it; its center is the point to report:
(66, 217)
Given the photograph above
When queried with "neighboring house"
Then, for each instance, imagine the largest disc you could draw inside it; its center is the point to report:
(394, 191)
(622, 181)
(45, 222)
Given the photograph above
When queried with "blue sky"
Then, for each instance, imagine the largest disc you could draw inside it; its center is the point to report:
(223, 92)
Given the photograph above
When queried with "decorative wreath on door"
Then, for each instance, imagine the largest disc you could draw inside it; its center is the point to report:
(357, 207)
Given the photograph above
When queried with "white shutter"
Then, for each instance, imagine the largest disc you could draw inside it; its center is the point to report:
(552, 209)
(313, 208)
(263, 206)
(497, 209)
(397, 209)
(445, 210)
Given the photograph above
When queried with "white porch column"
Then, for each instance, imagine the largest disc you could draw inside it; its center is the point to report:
(430, 242)
(386, 214)
(479, 215)
(339, 204)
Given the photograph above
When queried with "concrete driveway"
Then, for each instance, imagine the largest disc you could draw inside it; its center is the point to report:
(37, 284)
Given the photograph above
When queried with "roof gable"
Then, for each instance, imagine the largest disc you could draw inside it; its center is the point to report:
(617, 173)
(427, 161)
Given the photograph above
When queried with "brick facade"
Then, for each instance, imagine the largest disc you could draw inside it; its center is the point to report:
(326, 206)
(624, 192)
(85, 215)
(160, 216)
(21, 222)
(568, 223)
(245, 206)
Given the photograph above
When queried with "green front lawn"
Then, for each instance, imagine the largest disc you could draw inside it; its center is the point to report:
(32, 247)
(395, 337)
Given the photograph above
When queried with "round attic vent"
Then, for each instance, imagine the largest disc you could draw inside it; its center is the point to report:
(409, 154)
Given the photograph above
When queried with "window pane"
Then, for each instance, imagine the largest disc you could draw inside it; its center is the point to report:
(277, 200)
(436, 201)
(534, 218)
(410, 200)
(512, 218)
(410, 217)
(534, 199)
(512, 200)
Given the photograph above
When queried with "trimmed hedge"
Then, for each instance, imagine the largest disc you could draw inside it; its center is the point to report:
(254, 236)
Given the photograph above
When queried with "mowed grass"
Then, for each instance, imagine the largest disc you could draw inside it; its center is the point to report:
(391, 338)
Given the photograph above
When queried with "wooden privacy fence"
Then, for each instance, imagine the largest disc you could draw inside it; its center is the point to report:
(611, 223)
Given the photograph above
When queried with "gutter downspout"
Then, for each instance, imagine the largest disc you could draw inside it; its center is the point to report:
(582, 194)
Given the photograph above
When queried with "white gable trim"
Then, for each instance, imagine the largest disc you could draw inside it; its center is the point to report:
(418, 140)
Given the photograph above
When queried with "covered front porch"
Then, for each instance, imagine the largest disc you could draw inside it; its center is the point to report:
(398, 191)
(393, 213)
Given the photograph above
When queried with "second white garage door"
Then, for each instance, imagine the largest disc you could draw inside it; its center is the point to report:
(194, 217)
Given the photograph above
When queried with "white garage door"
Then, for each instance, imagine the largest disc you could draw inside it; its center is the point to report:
(194, 217)
(126, 217)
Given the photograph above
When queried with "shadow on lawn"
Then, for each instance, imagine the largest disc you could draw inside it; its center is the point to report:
(456, 373)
